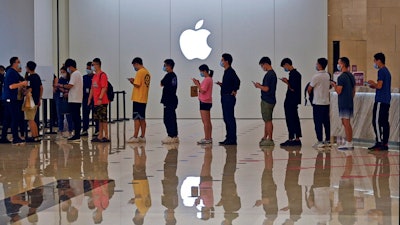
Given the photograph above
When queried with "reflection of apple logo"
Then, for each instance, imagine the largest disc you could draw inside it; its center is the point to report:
(194, 42)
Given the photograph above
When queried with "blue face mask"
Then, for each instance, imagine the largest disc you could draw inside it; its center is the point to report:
(201, 74)
(92, 68)
(68, 71)
(286, 70)
(376, 66)
(135, 68)
(164, 69)
(88, 71)
(221, 64)
(339, 67)
(316, 68)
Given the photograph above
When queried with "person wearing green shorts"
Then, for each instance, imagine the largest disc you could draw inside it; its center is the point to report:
(268, 99)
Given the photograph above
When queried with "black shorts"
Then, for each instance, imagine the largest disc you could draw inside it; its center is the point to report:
(100, 113)
(139, 111)
(205, 106)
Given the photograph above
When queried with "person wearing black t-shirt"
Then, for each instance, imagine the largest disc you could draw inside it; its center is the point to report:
(2, 75)
(229, 87)
(292, 100)
(170, 101)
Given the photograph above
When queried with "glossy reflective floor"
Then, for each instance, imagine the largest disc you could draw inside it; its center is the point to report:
(79, 183)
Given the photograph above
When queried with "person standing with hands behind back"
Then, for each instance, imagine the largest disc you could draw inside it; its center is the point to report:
(268, 100)
(229, 87)
(170, 102)
(205, 98)
(99, 94)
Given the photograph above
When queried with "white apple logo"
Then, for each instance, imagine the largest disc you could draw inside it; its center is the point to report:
(194, 42)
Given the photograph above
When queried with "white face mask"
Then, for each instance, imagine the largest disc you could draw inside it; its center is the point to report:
(63, 75)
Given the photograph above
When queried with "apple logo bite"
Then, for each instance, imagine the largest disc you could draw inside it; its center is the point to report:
(194, 44)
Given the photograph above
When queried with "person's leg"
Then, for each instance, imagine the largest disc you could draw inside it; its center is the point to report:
(21, 122)
(33, 128)
(143, 125)
(326, 122)
(384, 123)
(231, 121)
(174, 122)
(296, 123)
(76, 118)
(348, 129)
(60, 116)
(136, 124)
(318, 118)
(70, 123)
(224, 103)
(375, 115)
(289, 119)
(15, 110)
(167, 120)
(205, 117)
(269, 129)
(6, 120)
(85, 116)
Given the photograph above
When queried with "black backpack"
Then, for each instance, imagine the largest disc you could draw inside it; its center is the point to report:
(110, 91)
(310, 96)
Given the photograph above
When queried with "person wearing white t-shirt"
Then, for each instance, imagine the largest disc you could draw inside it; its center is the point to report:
(320, 85)
(75, 97)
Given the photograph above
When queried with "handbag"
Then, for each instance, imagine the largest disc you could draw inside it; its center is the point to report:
(194, 92)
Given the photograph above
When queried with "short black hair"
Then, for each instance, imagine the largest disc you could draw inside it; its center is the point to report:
(380, 56)
(345, 61)
(286, 60)
(169, 62)
(322, 62)
(89, 64)
(227, 57)
(264, 60)
(204, 67)
(97, 60)
(70, 62)
(13, 60)
(2, 67)
(31, 65)
(137, 60)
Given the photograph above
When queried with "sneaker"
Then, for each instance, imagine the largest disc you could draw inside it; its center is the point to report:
(168, 140)
(18, 142)
(67, 134)
(377, 145)
(346, 146)
(32, 139)
(84, 133)
(133, 140)
(287, 143)
(266, 142)
(296, 143)
(176, 139)
(105, 140)
(96, 139)
(222, 142)
(204, 141)
(142, 139)
(319, 144)
(328, 143)
(74, 139)
(5, 141)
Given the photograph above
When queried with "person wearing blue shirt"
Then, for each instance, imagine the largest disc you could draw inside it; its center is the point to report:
(87, 85)
(11, 84)
(229, 87)
(380, 118)
(2, 75)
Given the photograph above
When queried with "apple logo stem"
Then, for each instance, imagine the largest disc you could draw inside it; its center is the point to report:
(194, 44)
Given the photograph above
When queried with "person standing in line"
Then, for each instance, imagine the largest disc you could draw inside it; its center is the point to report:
(34, 89)
(10, 91)
(75, 97)
(2, 76)
(229, 87)
(170, 101)
(380, 118)
(61, 98)
(205, 98)
(98, 93)
(320, 85)
(140, 94)
(268, 99)
(292, 100)
(87, 85)
(345, 88)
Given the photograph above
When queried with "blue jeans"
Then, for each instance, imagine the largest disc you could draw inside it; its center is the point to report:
(228, 111)
(60, 117)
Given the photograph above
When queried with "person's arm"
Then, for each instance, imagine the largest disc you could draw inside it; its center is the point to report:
(18, 85)
(40, 95)
(104, 84)
(261, 87)
(90, 96)
(374, 85)
(309, 89)
(338, 88)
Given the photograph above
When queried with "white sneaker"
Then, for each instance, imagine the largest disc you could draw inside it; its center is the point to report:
(142, 139)
(346, 146)
(168, 140)
(175, 140)
(133, 140)
(204, 141)
(319, 144)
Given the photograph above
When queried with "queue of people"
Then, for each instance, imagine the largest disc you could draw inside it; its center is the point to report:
(72, 91)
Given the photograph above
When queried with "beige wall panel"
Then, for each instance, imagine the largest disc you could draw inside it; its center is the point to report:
(374, 16)
(391, 16)
(383, 3)
(381, 38)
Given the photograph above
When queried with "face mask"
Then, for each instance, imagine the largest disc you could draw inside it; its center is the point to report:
(164, 69)
(221, 64)
(88, 71)
(19, 66)
(135, 68)
(339, 67)
(286, 70)
(92, 68)
(63, 75)
(376, 66)
(201, 74)
(68, 70)
(316, 68)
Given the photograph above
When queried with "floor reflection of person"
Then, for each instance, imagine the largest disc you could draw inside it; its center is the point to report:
(140, 184)
(346, 206)
(268, 188)
(206, 185)
(292, 187)
(169, 199)
(380, 183)
(230, 199)
(319, 196)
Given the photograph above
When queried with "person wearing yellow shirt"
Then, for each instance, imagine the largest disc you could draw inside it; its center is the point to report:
(140, 93)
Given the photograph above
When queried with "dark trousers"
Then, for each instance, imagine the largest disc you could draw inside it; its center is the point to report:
(380, 121)
(321, 120)
(228, 111)
(75, 110)
(292, 120)
(22, 123)
(170, 120)
(86, 109)
(11, 109)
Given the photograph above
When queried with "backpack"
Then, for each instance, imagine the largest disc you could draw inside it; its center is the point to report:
(310, 96)
(110, 90)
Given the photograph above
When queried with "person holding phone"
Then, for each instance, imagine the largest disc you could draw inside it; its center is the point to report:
(268, 99)
(205, 98)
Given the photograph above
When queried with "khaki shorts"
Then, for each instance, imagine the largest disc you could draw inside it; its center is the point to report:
(30, 113)
(266, 110)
